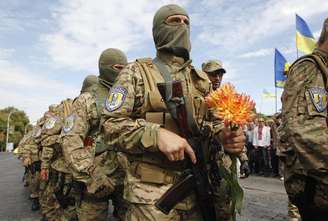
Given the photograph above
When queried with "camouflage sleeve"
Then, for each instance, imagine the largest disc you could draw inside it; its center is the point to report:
(124, 125)
(76, 126)
(46, 156)
(304, 111)
(30, 148)
(49, 138)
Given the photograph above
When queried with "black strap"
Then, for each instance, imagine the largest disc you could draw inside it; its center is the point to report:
(166, 74)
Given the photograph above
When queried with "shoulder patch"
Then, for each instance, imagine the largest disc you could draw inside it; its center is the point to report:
(50, 122)
(115, 98)
(69, 123)
(319, 98)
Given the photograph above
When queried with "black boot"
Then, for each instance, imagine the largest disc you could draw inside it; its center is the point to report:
(35, 204)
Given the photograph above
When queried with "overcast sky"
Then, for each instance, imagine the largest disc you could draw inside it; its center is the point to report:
(47, 47)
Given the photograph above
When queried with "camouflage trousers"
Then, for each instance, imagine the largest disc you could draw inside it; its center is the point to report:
(95, 206)
(51, 208)
(310, 196)
(145, 212)
(222, 204)
(92, 208)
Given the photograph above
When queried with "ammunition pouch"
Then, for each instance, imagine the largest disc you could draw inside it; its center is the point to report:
(153, 174)
(164, 119)
(159, 160)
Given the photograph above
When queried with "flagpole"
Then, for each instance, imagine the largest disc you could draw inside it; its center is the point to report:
(276, 99)
(296, 39)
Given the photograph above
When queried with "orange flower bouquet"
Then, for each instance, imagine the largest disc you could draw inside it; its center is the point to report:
(234, 109)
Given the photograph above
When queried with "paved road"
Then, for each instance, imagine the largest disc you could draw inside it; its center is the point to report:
(265, 198)
(14, 202)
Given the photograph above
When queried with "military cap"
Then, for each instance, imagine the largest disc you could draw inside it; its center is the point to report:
(213, 65)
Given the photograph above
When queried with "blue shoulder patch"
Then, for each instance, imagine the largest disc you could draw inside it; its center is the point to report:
(319, 98)
(69, 123)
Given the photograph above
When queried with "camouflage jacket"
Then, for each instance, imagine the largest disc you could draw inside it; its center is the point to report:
(81, 131)
(304, 114)
(50, 134)
(126, 126)
(32, 148)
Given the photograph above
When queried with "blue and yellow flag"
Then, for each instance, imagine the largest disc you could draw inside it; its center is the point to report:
(281, 67)
(267, 94)
(305, 41)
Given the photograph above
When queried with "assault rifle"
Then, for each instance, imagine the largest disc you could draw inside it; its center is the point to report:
(62, 191)
(199, 177)
(34, 167)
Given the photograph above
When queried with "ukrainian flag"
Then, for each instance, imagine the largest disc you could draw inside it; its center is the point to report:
(267, 94)
(305, 41)
(281, 67)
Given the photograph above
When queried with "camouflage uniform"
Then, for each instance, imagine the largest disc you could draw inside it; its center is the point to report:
(134, 114)
(20, 154)
(224, 206)
(51, 154)
(282, 151)
(32, 151)
(83, 147)
(304, 130)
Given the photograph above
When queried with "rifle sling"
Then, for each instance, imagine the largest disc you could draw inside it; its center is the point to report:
(166, 74)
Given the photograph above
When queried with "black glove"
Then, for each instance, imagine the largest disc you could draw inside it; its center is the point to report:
(244, 169)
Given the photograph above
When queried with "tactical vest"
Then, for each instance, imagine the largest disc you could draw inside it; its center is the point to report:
(153, 102)
(156, 110)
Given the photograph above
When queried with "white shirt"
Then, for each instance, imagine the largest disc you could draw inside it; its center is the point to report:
(266, 137)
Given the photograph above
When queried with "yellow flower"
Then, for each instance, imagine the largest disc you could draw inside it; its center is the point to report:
(231, 107)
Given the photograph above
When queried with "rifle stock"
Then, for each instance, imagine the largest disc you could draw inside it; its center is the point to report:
(178, 192)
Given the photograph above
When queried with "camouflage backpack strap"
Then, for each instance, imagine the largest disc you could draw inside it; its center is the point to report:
(151, 78)
(322, 66)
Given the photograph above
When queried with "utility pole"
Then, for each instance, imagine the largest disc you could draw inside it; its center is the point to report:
(7, 137)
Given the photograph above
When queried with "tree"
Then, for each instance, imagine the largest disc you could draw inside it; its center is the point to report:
(18, 122)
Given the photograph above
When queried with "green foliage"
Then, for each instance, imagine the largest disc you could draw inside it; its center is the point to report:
(18, 122)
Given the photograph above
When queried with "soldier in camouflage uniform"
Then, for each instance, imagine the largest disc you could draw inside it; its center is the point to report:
(51, 152)
(92, 165)
(304, 129)
(31, 159)
(282, 153)
(138, 124)
(215, 71)
(53, 169)
(20, 153)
